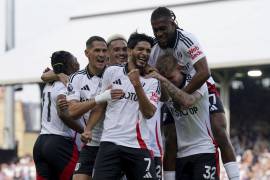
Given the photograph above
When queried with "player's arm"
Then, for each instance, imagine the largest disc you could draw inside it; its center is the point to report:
(145, 106)
(201, 76)
(96, 115)
(180, 96)
(76, 109)
(49, 76)
(62, 111)
(177, 95)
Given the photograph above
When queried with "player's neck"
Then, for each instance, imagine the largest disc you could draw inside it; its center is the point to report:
(94, 70)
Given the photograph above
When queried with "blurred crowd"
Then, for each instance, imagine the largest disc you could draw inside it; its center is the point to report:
(21, 169)
(252, 145)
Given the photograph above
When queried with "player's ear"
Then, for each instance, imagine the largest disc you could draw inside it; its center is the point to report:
(86, 52)
(179, 67)
(129, 52)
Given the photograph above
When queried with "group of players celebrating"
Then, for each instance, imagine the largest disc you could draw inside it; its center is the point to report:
(141, 109)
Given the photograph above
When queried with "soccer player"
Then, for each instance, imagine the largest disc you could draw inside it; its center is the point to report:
(189, 53)
(196, 152)
(117, 49)
(125, 139)
(55, 151)
(83, 88)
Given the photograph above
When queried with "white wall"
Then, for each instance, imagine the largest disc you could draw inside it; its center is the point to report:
(231, 32)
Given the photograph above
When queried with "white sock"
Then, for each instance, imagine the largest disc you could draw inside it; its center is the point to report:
(232, 170)
(169, 175)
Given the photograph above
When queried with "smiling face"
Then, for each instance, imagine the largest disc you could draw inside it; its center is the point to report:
(97, 54)
(140, 54)
(163, 29)
(118, 52)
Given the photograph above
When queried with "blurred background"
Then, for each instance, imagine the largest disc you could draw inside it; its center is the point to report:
(233, 33)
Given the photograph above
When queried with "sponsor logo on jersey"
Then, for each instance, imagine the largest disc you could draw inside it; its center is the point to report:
(184, 112)
(130, 95)
(154, 97)
(194, 52)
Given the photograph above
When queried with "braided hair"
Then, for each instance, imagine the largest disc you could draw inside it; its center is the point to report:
(60, 60)
(162, 12)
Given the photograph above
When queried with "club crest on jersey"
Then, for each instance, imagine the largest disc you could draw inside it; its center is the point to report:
(70, 87)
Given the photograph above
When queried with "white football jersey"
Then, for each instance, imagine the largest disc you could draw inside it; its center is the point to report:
(186, 49)
(194, 134)
(84, 86)
(156, 144)
(124, 124)
(51, 123)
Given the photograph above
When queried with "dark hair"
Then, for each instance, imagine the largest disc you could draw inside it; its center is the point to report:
(90, 41)
(166, 63)
(60, 60)
(162, 12)
(135, 37)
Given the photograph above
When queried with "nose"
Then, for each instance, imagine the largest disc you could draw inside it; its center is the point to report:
(159, 34)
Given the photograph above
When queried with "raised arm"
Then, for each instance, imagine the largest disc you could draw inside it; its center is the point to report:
(62, 111)
(49, 76)
(96, 115)
(146, 107)
(201, 76)
(177, 95)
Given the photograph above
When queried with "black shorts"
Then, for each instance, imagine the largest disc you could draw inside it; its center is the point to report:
(55, 157)
(158, 166)
(166, 116)
(86, 160)
(113, 159)
(215, 104)
(197, 167)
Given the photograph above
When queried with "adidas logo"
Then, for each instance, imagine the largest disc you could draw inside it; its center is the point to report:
(147, 175)
(86, 87)
(118, 81)
(213, 107)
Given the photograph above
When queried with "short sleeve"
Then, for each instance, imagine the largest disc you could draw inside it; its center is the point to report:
(107, 75)
(153, 92)
(202, 90)
(191, 48)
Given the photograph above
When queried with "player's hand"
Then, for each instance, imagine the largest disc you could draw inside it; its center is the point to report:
(86, 136)
(131, 64)
(117, 93)
(148, 69)
(156, 75)
(63, 78)
(62, 103)
(134, 77)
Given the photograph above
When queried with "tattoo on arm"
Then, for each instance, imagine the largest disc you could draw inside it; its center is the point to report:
(177, 95)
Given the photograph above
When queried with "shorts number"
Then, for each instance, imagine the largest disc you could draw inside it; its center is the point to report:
(148, 160)
(209, 173)
(158, 171)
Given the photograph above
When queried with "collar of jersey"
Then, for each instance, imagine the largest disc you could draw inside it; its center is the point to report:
(173, 42)
(90, 74)
(126, 69)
